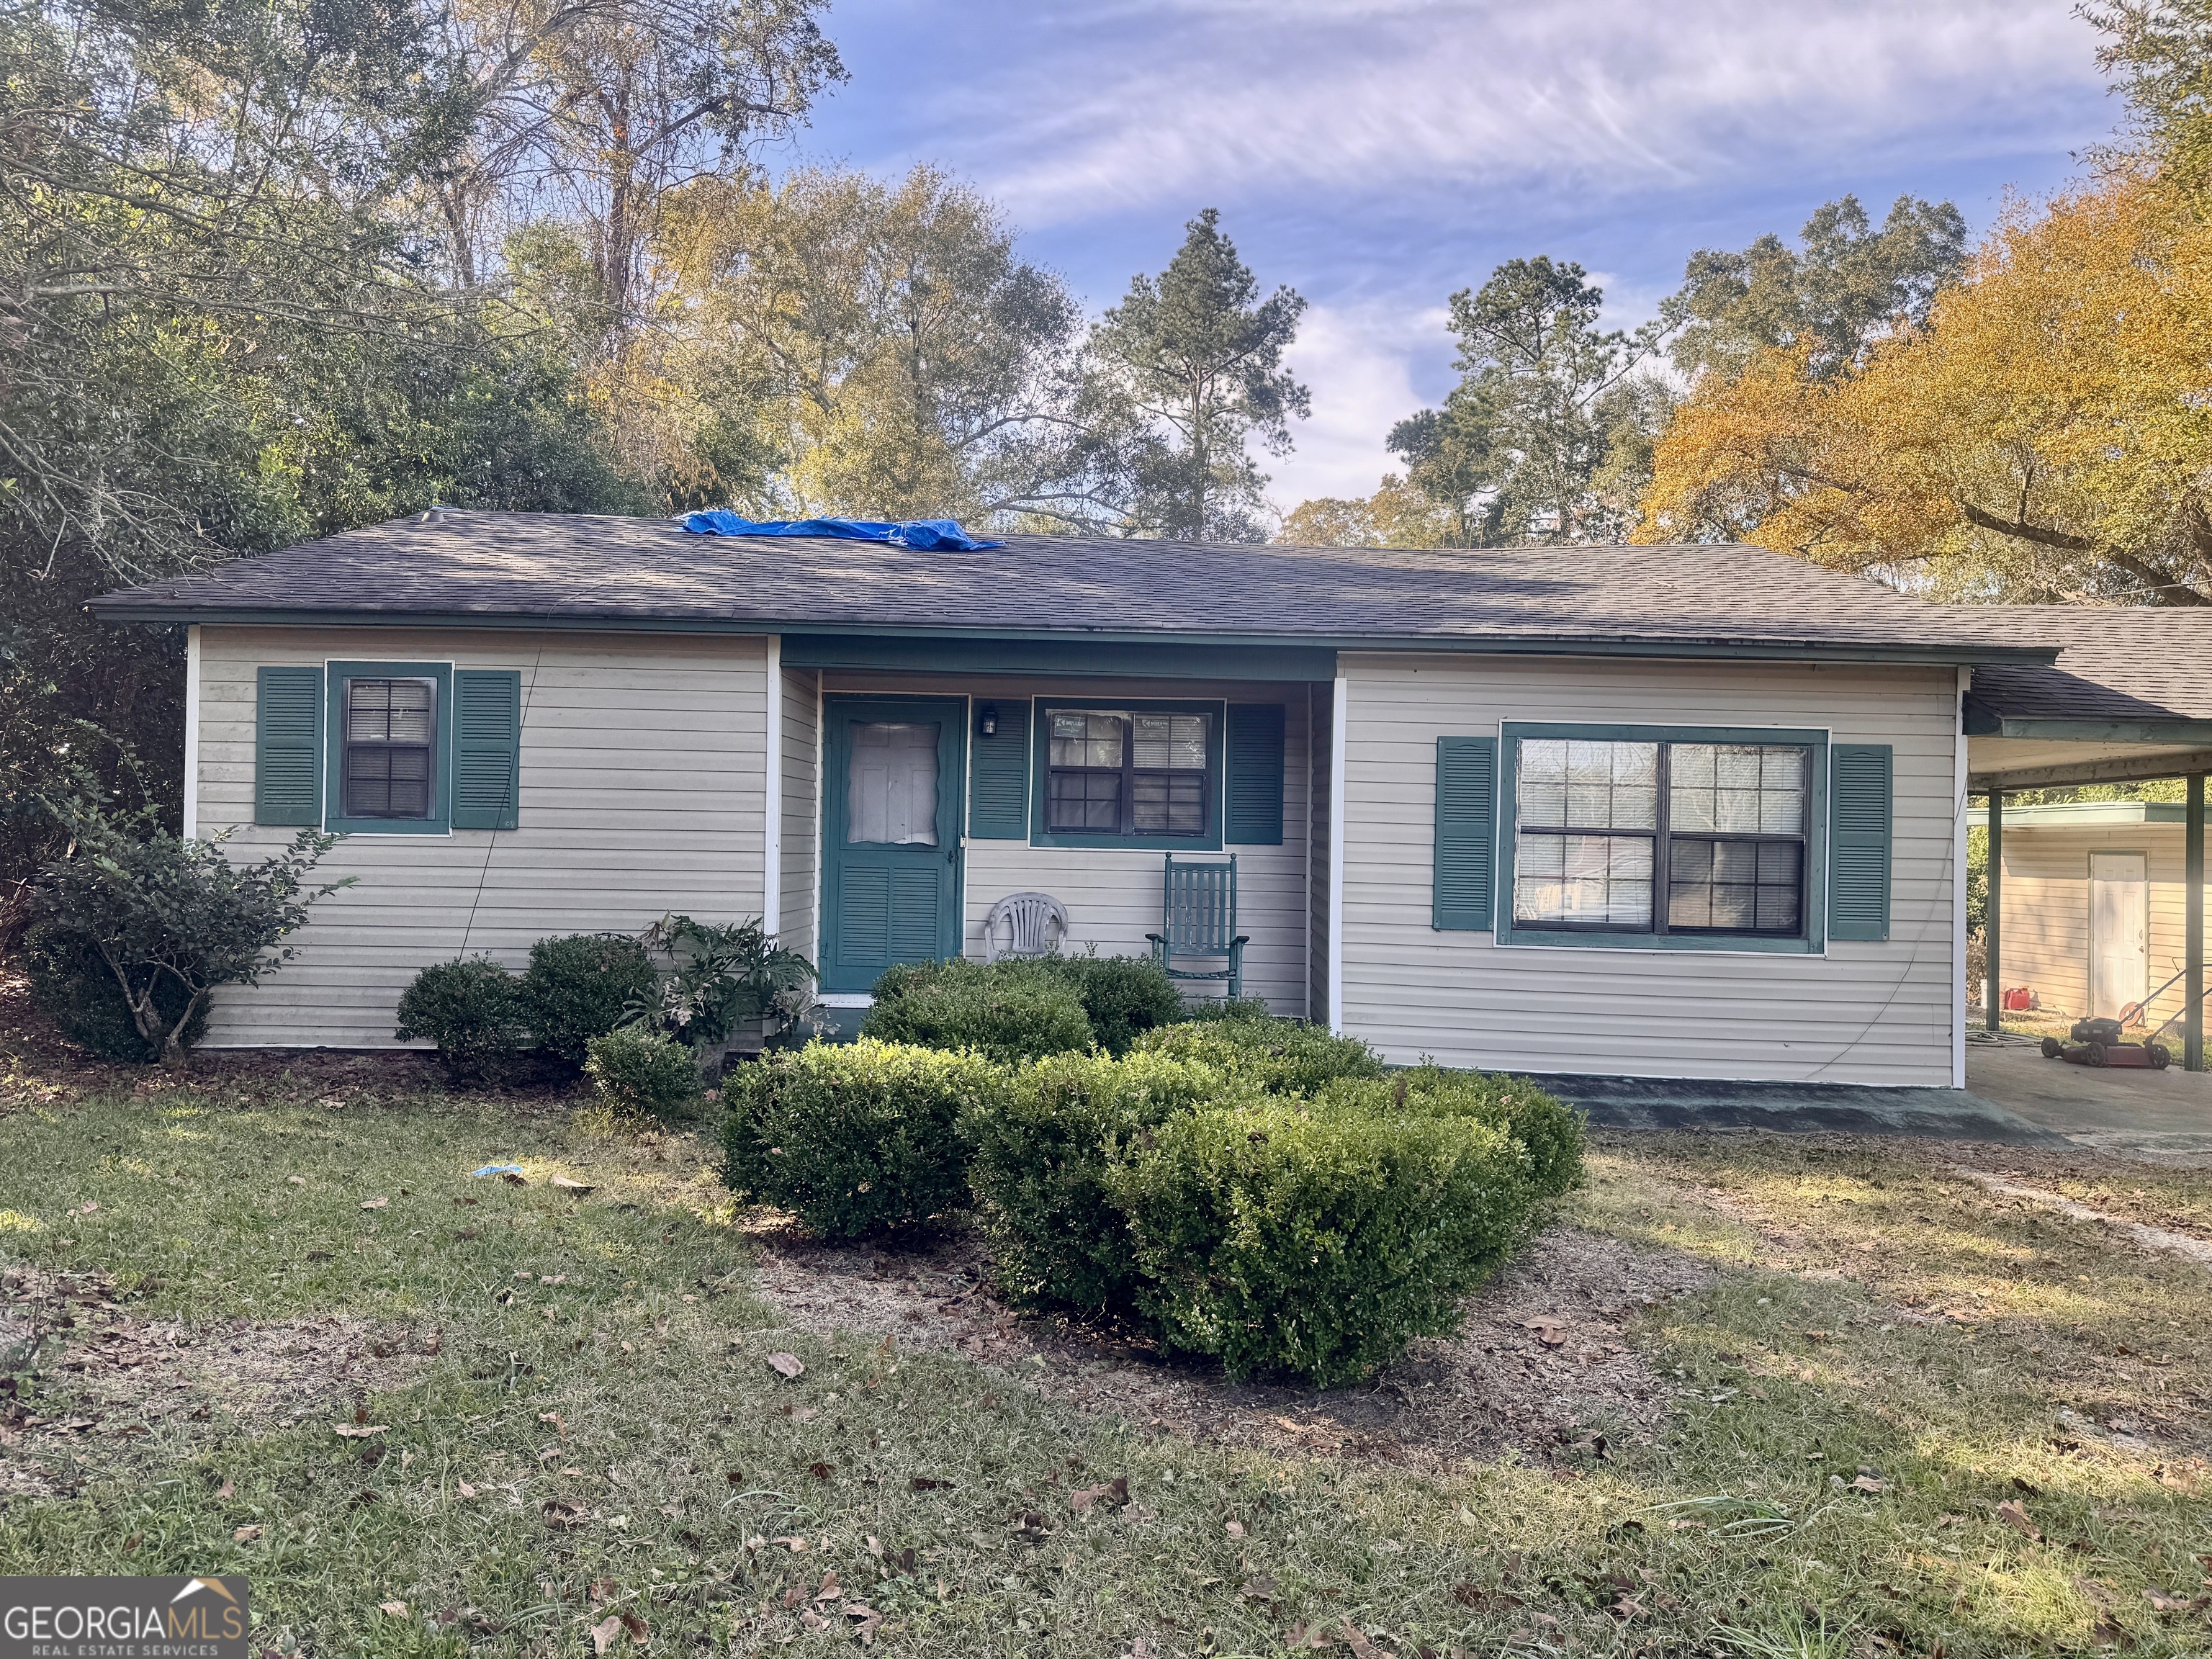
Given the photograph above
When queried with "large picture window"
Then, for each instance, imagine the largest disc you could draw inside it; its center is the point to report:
(1142, 775)
(1696, 839)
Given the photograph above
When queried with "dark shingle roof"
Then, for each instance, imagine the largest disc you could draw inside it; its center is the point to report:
(518, 567)
(2144, 662)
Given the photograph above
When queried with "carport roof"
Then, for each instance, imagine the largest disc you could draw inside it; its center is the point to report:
(2129, 698)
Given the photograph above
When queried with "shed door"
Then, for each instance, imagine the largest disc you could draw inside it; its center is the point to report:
(2120, 915)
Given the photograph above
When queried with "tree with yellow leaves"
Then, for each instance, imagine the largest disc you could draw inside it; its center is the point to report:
(2046, 435)
(2043, 430)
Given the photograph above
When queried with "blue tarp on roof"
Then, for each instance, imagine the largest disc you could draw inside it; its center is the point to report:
(925, 533)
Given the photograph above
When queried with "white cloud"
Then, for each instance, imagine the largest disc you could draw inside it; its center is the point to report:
(1184, 98)
(1358, 361)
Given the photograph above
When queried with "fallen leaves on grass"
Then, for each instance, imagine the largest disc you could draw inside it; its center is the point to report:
(375, 1203)
(787, 1365)
(603, 1633)
(397, 1609)
(2014, 1514)
(246, 1534)
(564, 1514)
(361, 1430)
(1114, 1492)
(575, 1189)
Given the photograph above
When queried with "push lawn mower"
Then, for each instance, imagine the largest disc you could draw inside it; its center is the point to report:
(2098, 1042)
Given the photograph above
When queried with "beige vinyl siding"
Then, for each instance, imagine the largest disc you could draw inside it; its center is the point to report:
(801, 803)
(1114, 897)
(2045, 937)
(643, 784)
(1862, 1012)
(1321, 702)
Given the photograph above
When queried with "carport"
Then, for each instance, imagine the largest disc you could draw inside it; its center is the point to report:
(2128, 700)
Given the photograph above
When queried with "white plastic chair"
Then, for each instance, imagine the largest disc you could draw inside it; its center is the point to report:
(1027, 918)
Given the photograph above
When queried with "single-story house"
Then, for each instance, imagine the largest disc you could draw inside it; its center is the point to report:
(1690, 811)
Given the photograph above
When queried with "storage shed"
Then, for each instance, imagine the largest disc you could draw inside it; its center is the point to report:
(2094, 905)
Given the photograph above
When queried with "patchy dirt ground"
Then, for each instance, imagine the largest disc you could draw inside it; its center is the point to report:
(39, 1066)
(115, 1374)
(1541, 1365)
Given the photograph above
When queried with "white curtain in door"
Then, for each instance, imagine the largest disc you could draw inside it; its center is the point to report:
(890, 793)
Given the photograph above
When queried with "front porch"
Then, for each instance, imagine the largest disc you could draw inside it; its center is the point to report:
(914, 801)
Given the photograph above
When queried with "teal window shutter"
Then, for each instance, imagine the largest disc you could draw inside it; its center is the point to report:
(287, 746)
(487, 748)
(1255, 814)
(1464, 894)
(998, 777)
(1858, 841)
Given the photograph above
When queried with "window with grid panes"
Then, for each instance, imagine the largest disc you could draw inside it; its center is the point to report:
(1603, 829)
(1121, 772)
(390, 729)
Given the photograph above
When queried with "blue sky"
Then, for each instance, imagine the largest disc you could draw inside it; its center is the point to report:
(1377, 156)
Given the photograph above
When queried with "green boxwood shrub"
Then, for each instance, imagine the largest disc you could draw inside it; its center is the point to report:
(1547, 1128)
(1290, 1237)
(854, 1138)
(638, 1073)
(474, 1011)
(71, 981)
(1009, 1011)
(1040, 1150)
(1282, 1056)
(1123, 997)
(578, 986)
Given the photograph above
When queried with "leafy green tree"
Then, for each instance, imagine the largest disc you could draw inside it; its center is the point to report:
(885, 342)
(1844, 286)
(1540, 439)
(2158, 54)
(1182, 376)
(222, 334)
(603, 110)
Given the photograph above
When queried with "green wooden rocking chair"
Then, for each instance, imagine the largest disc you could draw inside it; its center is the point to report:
(1199, 922)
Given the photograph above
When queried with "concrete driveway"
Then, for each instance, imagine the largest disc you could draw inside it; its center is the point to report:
(2165, 1115)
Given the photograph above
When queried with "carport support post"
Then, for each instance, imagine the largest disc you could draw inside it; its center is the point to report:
(2192, 1026)
(1993, 921)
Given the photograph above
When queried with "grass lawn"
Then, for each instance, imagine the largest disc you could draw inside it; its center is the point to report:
(1893, 1429)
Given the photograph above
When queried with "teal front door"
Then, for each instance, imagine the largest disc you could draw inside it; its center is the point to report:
(892, 791)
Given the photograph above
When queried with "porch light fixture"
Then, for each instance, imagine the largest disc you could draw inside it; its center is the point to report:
(987, 721)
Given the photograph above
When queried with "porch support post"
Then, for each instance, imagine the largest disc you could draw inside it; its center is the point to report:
(2192, 1041)
(772, 797)
(1993, 922)
(1339, 724)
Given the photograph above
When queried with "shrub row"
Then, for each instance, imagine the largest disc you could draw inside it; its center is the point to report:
(1251, 1188)
(482, 1016)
